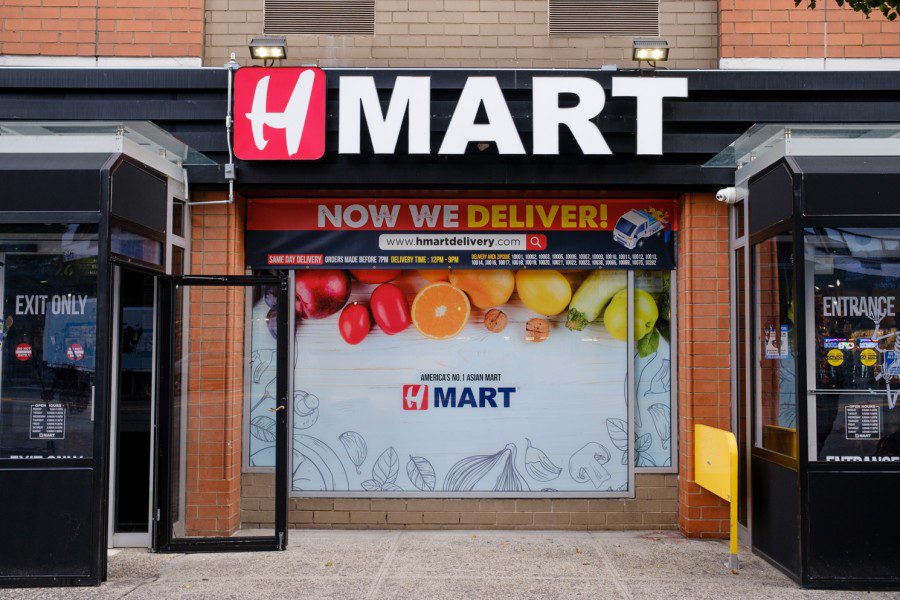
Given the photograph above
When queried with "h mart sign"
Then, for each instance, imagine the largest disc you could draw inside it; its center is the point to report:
(279, 114)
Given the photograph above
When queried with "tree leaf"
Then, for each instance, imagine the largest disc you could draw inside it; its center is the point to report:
(387, 467)
(421, 473)
(370, 485)
(618, 433)
(648, 344)
(391, 487)
(262, 427)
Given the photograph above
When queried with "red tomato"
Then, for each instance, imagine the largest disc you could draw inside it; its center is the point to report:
(390, 309)
(375, 275)
(354, 323)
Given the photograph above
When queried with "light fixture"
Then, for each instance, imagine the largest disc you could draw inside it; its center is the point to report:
(650, 50)
(268, 47)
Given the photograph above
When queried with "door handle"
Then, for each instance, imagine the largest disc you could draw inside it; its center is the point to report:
(276, 409)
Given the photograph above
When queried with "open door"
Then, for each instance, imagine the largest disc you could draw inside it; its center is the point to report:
(202, 491)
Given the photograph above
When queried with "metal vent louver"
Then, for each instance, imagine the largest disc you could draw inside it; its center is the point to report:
(604, 17)
(320, 17)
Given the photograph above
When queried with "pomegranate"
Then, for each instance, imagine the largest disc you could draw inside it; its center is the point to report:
(321, 293)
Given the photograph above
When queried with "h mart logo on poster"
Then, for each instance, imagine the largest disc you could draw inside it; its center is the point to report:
(415, 397)
(279, 114)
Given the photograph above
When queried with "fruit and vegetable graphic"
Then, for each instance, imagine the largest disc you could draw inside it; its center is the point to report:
(355, 323)
(440, 311)
(390, 309)
(486, 288)
(545, 292)
(322, 293)
(440, 303)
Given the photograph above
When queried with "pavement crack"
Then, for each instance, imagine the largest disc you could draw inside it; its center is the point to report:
(610, 568)
(385, 565)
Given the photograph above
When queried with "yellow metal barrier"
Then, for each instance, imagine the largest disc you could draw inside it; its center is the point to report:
(716, 469)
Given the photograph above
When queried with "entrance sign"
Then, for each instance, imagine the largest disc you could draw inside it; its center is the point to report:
(461, 233)
(287, 105)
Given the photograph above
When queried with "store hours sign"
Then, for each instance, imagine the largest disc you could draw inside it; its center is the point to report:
(280, 114)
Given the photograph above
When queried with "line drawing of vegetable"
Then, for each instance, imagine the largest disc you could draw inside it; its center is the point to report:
(356, 448)
(259, 362)
(306, 410)
(661, 383)
(586, 465)
(263, 428)
(499, 468)
(384, 473)
(253, 456)
(538, 464)
(642, 445)
(421, 473)
(662, 421)
(313, 456)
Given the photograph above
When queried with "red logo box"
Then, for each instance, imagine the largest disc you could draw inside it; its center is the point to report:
(279, 113)
(415, 397)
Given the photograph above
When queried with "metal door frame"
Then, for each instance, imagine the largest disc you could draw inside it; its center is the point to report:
(162, 535)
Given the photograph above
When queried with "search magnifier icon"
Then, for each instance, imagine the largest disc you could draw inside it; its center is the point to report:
(536, 241)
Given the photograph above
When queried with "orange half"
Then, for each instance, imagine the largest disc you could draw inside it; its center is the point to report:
(440, 311)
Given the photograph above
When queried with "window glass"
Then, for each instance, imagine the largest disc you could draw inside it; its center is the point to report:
(134, 245)
(776, 344)
(855, 281)
(48, 346)
(653, 371)
(178, 217)
(503, 398)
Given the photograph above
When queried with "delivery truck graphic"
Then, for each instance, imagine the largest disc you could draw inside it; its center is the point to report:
(634, 226)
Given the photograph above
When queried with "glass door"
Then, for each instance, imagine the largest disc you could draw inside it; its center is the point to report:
(203, 492)
(132, 408)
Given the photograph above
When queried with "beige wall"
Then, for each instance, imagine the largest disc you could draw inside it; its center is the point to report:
(464, 33)
(655, 506)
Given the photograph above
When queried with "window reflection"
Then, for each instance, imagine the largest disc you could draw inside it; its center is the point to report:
(776, 343)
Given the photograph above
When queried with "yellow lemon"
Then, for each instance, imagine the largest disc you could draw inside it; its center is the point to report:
(615, 316)
(544, 292)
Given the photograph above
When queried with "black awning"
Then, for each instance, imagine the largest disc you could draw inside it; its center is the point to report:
(53, 182)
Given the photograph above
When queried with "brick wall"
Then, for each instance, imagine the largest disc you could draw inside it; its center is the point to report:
(464, 33)
(215, 374)
(107, 28)
(703, 351)
(777, 29)
(654, 507)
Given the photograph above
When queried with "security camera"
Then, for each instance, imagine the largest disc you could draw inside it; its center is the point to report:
(727, 195)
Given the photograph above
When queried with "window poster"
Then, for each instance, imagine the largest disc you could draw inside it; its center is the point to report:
(48, 283)
(467, 381)
(856, 298)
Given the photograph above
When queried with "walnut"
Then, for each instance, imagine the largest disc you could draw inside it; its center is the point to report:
(495, 320)
(537, 330)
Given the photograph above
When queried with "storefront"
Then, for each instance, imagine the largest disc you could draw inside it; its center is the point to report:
(413, 299)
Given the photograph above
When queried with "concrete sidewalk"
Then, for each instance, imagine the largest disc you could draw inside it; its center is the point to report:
(495, 565)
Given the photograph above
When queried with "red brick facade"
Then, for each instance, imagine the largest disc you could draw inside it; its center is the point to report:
(778, 29)
(215, 374)
(107, 28)
(703, 352)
